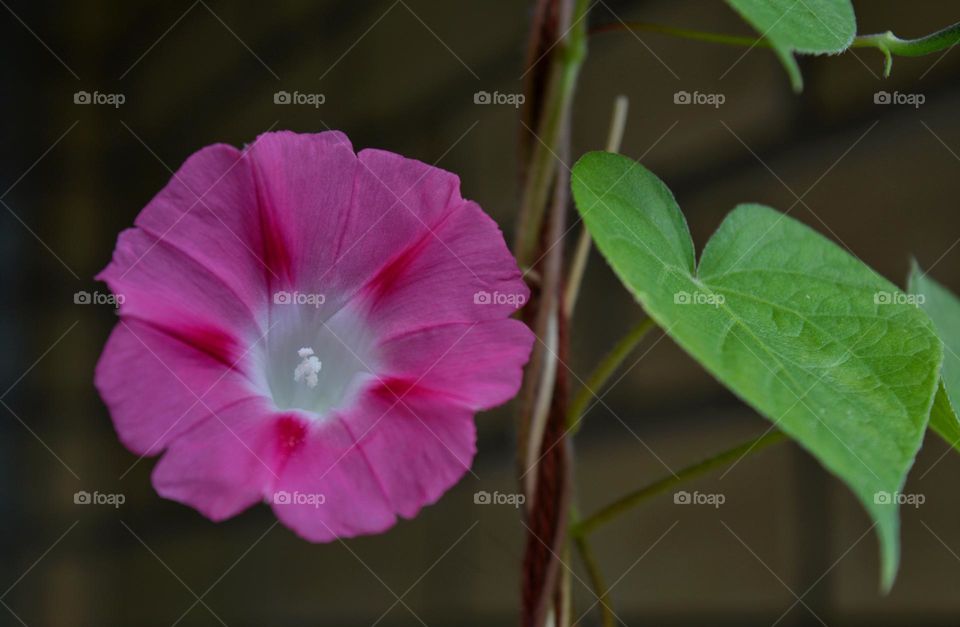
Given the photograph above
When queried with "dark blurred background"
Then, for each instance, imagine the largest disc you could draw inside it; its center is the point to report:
(882, 179)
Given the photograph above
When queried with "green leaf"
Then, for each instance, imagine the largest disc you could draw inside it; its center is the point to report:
(943, 418)
(804, 26)
(794, 325)
(944, 310)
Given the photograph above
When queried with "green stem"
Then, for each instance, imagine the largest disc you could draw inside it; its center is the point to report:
(607, 617)
(543, 163)
(565, 614)
(919, 47)
(604, 370)
(683, 33)
(887, 43)
(633, 499)
(578, 265)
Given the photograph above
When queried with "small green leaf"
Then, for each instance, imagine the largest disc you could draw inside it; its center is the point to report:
(805, 333)
(944, 310)
(804, 26)
(943, 418)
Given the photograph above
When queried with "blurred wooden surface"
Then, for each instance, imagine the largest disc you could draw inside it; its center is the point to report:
(402, 76)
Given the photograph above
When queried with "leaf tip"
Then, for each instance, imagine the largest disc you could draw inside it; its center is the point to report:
(915, 273)
(888, 534)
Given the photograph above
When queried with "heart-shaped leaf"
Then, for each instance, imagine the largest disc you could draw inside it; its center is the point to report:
(804, 26)
(805, 333)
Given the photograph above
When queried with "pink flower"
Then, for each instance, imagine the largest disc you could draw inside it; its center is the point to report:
(313, 328)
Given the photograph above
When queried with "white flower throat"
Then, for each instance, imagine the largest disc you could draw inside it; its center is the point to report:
(314, 363)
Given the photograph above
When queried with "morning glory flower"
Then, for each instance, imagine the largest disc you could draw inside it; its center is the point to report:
(313, 328)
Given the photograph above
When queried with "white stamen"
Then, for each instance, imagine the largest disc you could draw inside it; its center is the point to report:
(308, 368)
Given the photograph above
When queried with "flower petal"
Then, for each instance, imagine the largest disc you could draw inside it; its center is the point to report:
(418, 444)
(396, 202)
(460, 271)
(228, 462)
(477, 365)
(158, 386)
(305, 183)
(205, 222)
(331, 465)
(341, 216)
(164, 285)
